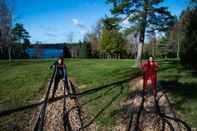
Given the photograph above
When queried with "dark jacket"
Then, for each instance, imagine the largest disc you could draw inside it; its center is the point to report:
(60, 70)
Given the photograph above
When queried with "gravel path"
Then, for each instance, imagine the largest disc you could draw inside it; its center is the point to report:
(54, 113)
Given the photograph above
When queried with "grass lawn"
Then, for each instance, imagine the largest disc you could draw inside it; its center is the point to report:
(23, 81)
(97, 73)
(182, 87)
(94, 73)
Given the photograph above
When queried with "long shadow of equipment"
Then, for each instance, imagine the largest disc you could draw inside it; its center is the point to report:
(104, 108)
(165, 118)
(84, 93)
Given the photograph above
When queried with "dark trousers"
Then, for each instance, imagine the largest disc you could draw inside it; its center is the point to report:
(57, 80)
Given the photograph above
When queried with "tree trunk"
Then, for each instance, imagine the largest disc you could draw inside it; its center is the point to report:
(154, 47)
(1, 50)
(10, 53)
(142, 35)
(139, 53)
(14, 54)
(178, 48)
(140, 47)
(136, 47)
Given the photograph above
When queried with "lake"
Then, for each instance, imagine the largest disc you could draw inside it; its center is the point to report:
(45, 53)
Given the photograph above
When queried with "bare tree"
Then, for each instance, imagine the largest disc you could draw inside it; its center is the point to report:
(132, 37)
(93, 40)
(5, 26)
(70, 37)
(134, 42)
(153, 42)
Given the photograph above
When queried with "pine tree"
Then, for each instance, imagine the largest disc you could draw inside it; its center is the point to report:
(148, 15)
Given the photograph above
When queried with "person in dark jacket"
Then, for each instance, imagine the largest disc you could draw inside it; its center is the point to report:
(61, 73)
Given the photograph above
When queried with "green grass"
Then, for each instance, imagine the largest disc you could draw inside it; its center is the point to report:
(94, 73)
(90, 74)
(21, 82)
(182, 87)
(109, 101)
(24, 81)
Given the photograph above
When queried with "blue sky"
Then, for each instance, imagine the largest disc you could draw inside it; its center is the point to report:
(52, 21)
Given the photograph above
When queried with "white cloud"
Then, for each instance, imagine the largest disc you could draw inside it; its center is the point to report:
(77, 23)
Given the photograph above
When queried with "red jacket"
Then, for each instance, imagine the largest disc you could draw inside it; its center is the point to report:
(150, 66)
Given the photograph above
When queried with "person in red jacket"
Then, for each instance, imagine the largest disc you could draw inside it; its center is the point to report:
(150, 66)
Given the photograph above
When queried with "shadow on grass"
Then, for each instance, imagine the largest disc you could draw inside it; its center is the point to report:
(84, 93)
(186, 91)
(114, 98)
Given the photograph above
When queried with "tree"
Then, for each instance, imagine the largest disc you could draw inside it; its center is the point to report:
(110, 23)
(111, 40)
(175, 38)
(20, 39)
(132, 36)
(92, 39)
(5, 26)
(153, 42)
(189, 43)
(20, 34)
(145, 14)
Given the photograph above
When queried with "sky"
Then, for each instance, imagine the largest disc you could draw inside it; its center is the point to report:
(55, 21)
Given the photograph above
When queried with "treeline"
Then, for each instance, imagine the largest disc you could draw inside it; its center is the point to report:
(134, 29)
(131, 30)
(106, 40)
(188, 33)
(150, 30)
(181, 40)
(13, 40)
